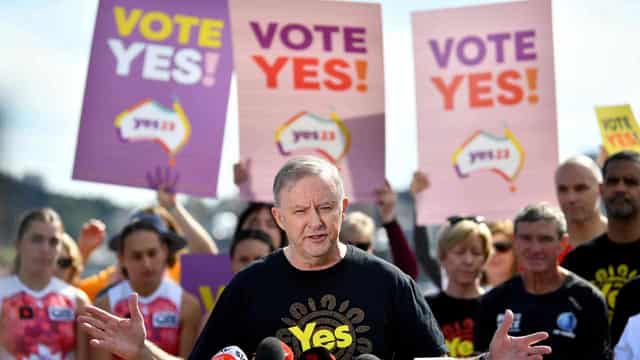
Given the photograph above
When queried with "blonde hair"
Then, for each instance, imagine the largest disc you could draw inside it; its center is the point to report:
(357, 224)
(504, 227)
(501, 227)
(452, 235)
(77, 265)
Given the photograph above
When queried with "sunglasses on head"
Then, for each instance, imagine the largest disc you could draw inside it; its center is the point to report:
(502, 246)
(362, 246)
(456, 219)
(64, 263)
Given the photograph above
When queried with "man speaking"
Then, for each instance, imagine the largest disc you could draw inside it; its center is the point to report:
(317, 292)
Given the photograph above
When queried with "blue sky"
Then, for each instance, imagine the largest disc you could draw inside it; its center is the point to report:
(46, 47)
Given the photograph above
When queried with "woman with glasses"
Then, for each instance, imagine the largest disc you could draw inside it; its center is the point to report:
(69, 265)
(38, 310)
(464, 245)
(502, 264)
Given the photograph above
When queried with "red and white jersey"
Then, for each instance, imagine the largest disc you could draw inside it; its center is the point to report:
(37, 324)
(160, 310)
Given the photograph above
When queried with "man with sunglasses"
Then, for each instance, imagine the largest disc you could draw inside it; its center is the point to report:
(545, 296)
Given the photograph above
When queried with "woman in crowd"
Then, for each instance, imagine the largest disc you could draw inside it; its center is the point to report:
(69, 265)
(502, 265)
(171, 315)
(248, 246)
(464, 245)
(38, 310)
(178, 220)
(257, 216)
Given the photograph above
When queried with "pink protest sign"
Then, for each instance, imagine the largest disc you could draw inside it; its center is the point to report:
(310, 81)
(156, 96)
(486, 109)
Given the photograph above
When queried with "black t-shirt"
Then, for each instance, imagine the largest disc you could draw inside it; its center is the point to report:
(456, 320)
(606, 265)
(575, 316)
(360, 305)
(627, 305)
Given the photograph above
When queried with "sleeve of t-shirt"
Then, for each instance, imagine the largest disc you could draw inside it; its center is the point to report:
(484, 325)
(430, 265)
(403, 256)
(415, 330)
(224, 326)
(596, 345)
(626, 306)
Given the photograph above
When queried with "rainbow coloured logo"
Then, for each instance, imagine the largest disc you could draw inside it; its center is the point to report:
(306, 133)
(484, 151)
(150, 121)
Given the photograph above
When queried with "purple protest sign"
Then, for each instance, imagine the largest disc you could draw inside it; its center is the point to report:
(205, 276)
(156, 96)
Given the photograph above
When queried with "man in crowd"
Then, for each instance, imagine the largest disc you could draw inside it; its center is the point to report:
(612, 259)
(544, 296)
(577, 187)
(315, 292)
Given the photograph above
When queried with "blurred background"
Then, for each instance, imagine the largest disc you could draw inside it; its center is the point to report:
(45, 53)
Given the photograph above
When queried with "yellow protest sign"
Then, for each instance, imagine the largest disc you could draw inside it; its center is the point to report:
(618, 128)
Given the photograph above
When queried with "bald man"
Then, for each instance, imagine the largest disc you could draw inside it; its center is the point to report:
(578, 181)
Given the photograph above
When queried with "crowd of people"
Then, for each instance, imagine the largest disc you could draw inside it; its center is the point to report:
(558, 283)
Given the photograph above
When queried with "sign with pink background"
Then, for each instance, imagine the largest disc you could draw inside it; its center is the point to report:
(486, 108)
(156, 96)
(310, 81)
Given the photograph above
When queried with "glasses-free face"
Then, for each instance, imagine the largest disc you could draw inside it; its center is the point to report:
(39, 247)
(311, 212)
(463, 262)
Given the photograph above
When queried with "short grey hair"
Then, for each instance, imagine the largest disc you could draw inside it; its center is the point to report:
(542, 211)
(301, 167)
(586, 162)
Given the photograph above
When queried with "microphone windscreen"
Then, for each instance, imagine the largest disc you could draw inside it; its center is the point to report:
(272, 348)
(317, 353)
(366, 357)
(230, 353)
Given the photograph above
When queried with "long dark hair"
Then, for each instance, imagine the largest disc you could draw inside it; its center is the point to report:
(253, 208)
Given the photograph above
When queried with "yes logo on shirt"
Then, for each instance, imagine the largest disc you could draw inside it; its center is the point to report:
(57, 313)
(165, 319)
(458, 336)
(335, 326)
(610, 280)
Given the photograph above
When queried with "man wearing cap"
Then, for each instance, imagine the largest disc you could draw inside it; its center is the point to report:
(171, 316)
(175, 218)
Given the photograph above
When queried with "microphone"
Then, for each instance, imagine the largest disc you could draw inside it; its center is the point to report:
(272, 348)
(317, 353)
(366, 357)
(230, 353)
